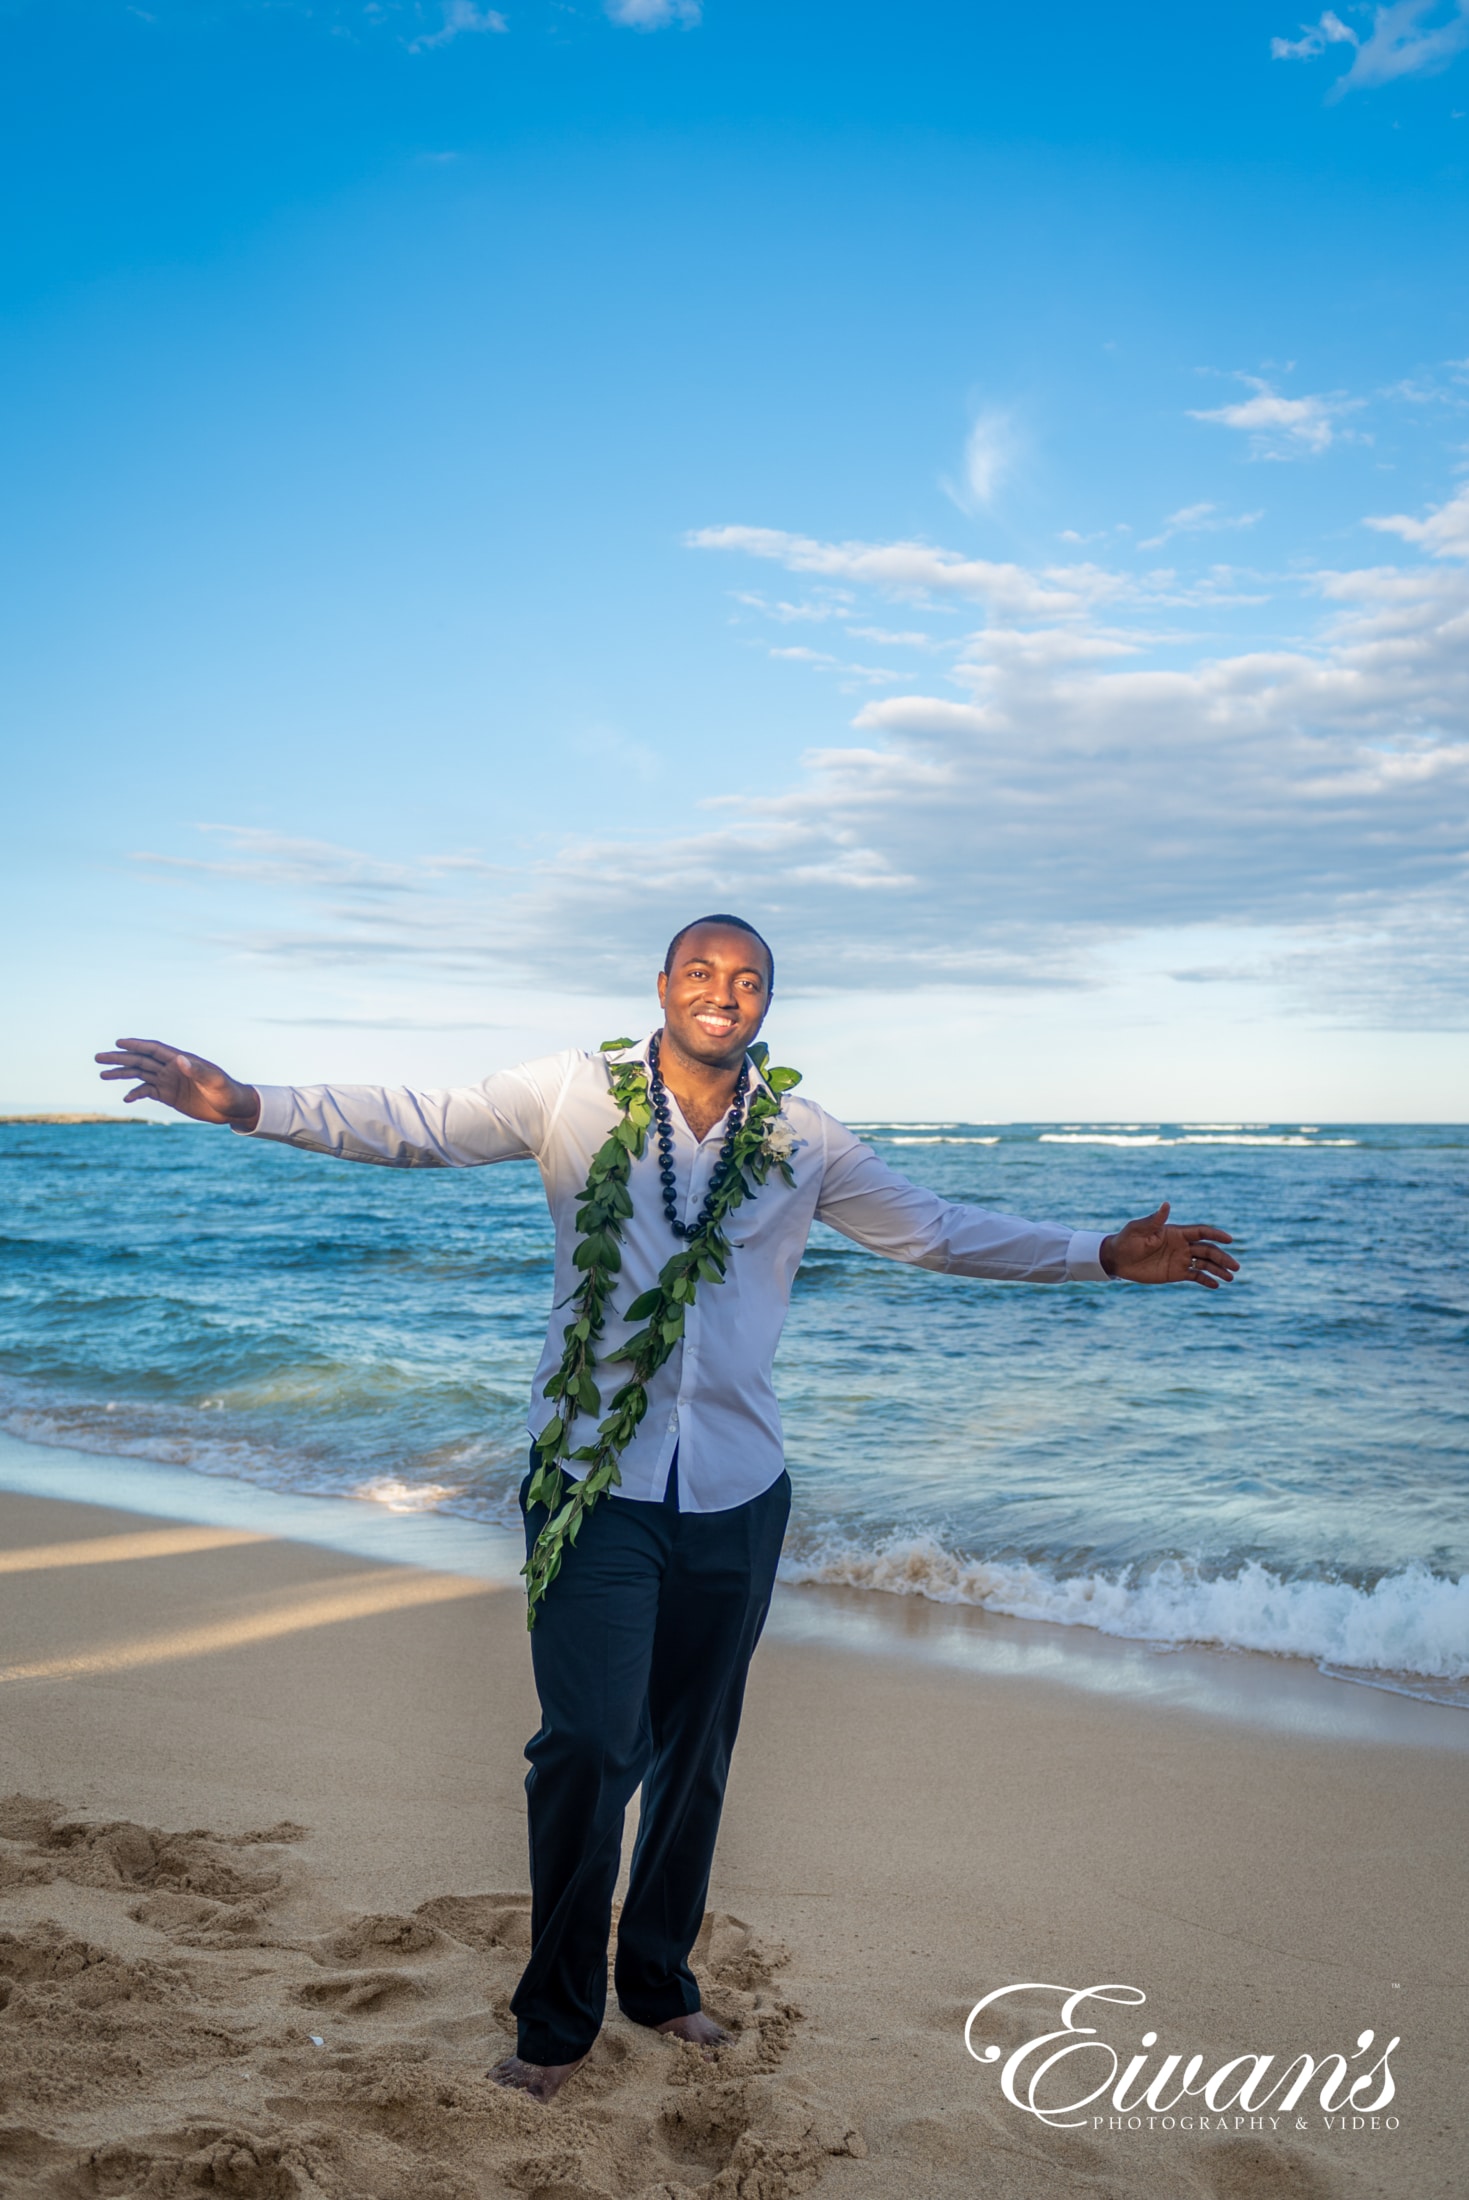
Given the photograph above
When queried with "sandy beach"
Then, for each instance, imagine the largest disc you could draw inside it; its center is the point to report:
(264, 1896)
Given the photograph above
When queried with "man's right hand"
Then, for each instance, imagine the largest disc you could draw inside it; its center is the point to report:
(185, 1082)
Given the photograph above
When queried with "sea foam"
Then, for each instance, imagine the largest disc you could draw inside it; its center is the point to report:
(1410, 1625)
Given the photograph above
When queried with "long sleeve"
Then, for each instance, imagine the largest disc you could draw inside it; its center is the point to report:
(505, 1118)
(871, 1203)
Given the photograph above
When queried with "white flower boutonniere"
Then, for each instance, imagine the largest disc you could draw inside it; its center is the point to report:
(780, 1140)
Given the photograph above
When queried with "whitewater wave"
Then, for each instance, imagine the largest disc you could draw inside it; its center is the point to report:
(946, 1138)
(1183, 1138)
(1409, 1631)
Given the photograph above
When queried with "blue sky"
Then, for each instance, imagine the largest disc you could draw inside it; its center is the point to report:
(984, 492)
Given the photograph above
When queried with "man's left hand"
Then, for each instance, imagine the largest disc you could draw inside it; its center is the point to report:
(1154, 1250)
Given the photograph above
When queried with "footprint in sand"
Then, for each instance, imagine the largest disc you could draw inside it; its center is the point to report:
(356, 1993)
(162, 2045)
(379, 1936)
(487, 1921)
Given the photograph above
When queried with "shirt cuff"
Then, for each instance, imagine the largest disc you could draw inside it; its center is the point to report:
(274, 1117)
(1084, 1258)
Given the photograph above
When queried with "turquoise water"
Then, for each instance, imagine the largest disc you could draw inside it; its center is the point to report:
(1280, 1466)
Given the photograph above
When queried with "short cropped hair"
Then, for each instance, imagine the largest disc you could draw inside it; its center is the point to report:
(737, 924)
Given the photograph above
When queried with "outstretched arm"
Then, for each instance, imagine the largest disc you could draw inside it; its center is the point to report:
(184, 1082)
(866, 1200)
(503, 1119)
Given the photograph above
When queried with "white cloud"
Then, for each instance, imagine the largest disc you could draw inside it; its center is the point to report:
(1199, 519)
(1445, 532)
(265, 858)
(990, 449)
(906, 639)
(828, 603)
(653, 15)
(1062, 789)
(915, 570)
(865, 675)
(1314, 39)
(385, 1022)
(1098, 534)
(1428, 386)
(460, 16)
(1043, 649)
(944, 580)
(1078, 792)
(1281, 427)
(1400, 42)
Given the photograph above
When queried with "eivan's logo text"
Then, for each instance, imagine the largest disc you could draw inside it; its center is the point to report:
(1040, 2075)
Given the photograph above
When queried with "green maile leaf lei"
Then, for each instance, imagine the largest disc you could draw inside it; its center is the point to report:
(605, 1204)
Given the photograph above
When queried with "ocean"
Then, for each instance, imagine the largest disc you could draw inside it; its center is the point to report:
(1281, 1466)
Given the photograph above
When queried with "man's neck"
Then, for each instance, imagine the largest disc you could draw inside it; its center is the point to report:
(703, 1090)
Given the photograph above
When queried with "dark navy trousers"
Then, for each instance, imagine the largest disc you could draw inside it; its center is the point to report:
(640, 1650)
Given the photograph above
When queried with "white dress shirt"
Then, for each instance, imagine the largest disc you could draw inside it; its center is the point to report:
(714, 1398)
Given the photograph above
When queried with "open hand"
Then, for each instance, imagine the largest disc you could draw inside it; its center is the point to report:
(1154, 1250)
(185, 1082)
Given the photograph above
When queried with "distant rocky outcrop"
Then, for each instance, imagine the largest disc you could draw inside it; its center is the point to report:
(128, 1119)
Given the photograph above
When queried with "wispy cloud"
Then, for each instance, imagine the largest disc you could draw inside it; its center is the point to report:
(863, 675)
(1281, 427)
(1407, 38)
(653, 15)
(1097, 534)
(266, 858)
(827, 603)
(945, 580)
(990, 450)
(1446, 384)
(1199, 519)
(908, 638)
(1444, 533)
(385, 1023)
(259, 857)
(917, 571)
(1314, 39)
(460, 16)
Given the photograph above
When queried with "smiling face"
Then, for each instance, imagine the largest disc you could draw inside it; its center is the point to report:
(715, 996)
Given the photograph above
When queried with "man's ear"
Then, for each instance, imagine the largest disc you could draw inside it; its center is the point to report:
(662, 987)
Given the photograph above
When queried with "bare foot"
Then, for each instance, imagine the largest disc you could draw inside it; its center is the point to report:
(542, 2081)
(701, 2029)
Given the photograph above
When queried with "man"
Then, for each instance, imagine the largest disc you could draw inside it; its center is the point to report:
(641, 1644)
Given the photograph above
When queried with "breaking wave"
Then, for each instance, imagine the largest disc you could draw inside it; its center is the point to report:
(1408, 1630)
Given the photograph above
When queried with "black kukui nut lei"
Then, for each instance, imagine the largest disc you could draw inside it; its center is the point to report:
(658, 1094)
